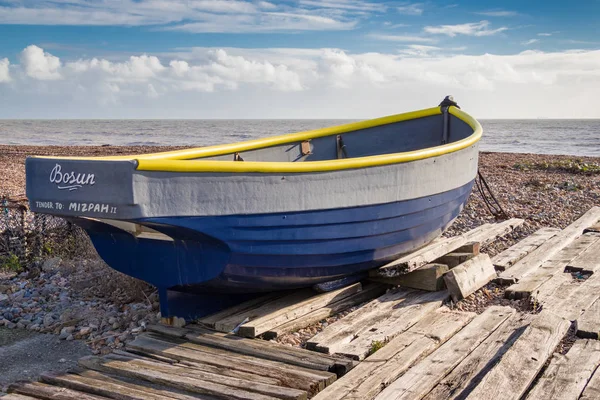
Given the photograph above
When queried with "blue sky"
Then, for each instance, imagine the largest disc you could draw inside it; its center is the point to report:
(296, 59)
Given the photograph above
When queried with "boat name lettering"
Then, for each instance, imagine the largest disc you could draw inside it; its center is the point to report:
(93, 207)
(70, 180)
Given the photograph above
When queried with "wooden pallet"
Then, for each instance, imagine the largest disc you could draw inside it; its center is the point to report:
(401, 344)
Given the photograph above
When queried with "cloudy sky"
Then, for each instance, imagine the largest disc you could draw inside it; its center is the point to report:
(297, 58)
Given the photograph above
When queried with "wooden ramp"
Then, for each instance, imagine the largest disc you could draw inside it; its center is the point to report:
(401, 343)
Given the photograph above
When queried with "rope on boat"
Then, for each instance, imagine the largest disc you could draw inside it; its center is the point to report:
(489, 199)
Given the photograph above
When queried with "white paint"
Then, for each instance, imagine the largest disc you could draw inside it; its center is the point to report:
(70, 180)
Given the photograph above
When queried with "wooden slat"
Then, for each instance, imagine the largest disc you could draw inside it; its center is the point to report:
(594, 228)
(140, 386)
(469, 372)
(533, 260)
(417, 342)
(469, 277)
(263, 349)
(14, 396)
(99, 387)
(588, 261)
(556, 264)
(231, 322)
(369, 292)
(588, 324)
(571, 298)
(380, 320)
(428, 277)
(510, 256)
(566, 376)
(210, 320)
(592, 390)
(423, 377)
(514, 373)
(49, 392)
(291, 376)
(435, 250)
(182, 379)
(264, 321)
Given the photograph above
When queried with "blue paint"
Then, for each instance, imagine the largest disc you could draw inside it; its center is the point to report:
(266, 252)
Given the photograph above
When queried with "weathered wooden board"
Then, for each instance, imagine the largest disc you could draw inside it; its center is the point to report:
(513, 374)
(588, 324)
(592, 390)
(424, 376)
(552, 266)
(136, 386)
(469, 372)
(455, 258)
(588, 262)
(369, 292)
(14, 396)
(548, 249)
(566, 376)
(483, 234)
(288, 375)
(210, 320)
(380, 320)
(404, 350)
(573, 297)
(191, 381)
(510, 256)
(43, 391)
(261, 349)
(429, 277)
(269, 316)
(469, 277)
(593, 228)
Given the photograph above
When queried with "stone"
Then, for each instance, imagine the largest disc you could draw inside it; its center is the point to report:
(4, 288)
(70, 337)
(85, 331)
(48, 320)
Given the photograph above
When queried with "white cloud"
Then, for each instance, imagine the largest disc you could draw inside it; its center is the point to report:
(498, 13)
(4, 70)
(402, 38)
(530, 41)
(470, 29)
(411, 9)
(39, 64)
(544, 34)
(300, 83)
(194, 16)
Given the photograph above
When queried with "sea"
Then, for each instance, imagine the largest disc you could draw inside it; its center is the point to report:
(577, 137)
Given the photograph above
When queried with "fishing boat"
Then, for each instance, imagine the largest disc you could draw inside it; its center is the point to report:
(229, 221)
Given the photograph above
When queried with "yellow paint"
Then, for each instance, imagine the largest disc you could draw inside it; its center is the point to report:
(183, 160)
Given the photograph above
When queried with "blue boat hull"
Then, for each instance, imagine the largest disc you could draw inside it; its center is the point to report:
(277, 251)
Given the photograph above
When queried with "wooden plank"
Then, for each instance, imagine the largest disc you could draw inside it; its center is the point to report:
(588, 261)
(230, 323)
(141, 386)
(48, 392)
(556, 264)
(571, 298)
(594, 228)
(265, 321)
(428, 277)
(470, 247)
(469, 372)
(510, 256)
(454, 259)
(422, 377)
(379, 320)
(210, 320)
(14, 396)
(533, 260)
(99, 387)
(588, 324)
(369, 292)
(484, 234)
(287, 375)
(469, 277)
(566, 376)
(265, 350)
(592, 390)
(513, 374)
(170, 331)
(417, 342)
(390, 325)
(191, 381)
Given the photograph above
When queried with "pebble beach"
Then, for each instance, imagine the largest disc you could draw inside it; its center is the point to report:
(83, 299)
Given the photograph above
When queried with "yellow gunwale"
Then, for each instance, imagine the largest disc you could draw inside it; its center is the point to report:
(183, 160)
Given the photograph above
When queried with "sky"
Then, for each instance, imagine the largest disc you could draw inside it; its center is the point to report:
(350, 59)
